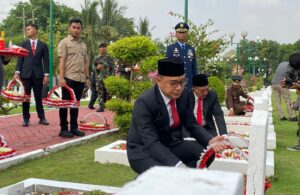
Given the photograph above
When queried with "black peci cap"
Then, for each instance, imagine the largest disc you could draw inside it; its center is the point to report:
(170, 67)
(200, 80)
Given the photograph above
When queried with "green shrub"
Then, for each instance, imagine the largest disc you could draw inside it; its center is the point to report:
(132, 49)
(123, 121)
(216, 84)
(117, 86)
(149, 64)
(119, 106)
(139, 87)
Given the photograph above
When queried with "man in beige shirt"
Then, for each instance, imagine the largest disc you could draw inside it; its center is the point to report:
(74, 72)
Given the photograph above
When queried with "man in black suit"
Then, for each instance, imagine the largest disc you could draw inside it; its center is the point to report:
(206, 106)
(159, 115)
(34, 72)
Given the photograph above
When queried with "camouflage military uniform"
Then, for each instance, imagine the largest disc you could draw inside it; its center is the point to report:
(233, 99)
(107, 70)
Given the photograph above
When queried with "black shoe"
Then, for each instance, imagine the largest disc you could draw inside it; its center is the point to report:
(283, 118)
(77, 132)
(91, 107)
(100, 109)
(25, 123)
(66, 134)
(293, 119)
(43, 122)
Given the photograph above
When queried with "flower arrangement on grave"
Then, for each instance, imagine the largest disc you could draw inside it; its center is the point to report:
(15, 92)
(93, 122)
(5, 151)
(121, 146)
(232, 152)
(55, 100)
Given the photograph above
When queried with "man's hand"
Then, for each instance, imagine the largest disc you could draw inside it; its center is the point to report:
(62, 82)
(99, 67)
(16, 76)
(46, 80)
(218, 143)
(231, 112)
(282, 83)
(88, 82)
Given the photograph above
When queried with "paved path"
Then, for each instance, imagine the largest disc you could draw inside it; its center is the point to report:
(36, 136)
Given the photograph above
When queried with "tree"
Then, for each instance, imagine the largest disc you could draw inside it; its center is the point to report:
(13, 24)
(113, 24)
(143, 27)
(91, 21)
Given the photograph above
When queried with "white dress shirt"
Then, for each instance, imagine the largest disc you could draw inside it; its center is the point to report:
(167, 101)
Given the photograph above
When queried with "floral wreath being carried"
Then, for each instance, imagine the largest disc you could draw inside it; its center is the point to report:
(54, 99)
(93, 122)
(15, 92)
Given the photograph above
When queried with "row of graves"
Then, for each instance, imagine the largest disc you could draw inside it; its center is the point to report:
(254, 140)
(244, 169)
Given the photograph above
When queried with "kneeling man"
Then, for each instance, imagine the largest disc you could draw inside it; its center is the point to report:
(159, 115)
(206, 106)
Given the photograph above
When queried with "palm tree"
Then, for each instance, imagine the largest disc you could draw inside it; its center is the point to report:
(113, 23)
(143, 27)
(91, 21)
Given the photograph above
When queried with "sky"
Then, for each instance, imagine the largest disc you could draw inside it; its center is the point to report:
(267, 19)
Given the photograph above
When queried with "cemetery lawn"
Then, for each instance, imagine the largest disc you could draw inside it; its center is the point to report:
(74, 164)
(287, 163)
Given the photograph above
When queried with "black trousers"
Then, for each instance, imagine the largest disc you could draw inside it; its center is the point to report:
(63, 112)
(37, 86)
(187, 151)
(94, 94)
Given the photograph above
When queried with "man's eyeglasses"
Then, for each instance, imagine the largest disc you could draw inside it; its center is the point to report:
(175, 83)
(182, 32)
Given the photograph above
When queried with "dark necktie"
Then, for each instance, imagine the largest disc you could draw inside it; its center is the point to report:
(183, 47)
(175, 115)
(33, 47)
(199, 111)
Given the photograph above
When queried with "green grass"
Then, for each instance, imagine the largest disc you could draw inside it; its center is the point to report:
(287, 163)
(74, 164)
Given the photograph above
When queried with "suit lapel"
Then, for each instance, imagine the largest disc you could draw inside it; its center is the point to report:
(38, 46)
(164, 115)
(205, 106)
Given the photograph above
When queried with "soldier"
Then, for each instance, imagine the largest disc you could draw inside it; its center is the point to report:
(234, 91)
(104, 67)
(185, 52)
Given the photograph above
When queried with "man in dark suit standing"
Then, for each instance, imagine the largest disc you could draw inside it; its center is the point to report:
(206, 106)
(34, 72)
(159, 115)
(183, 51)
